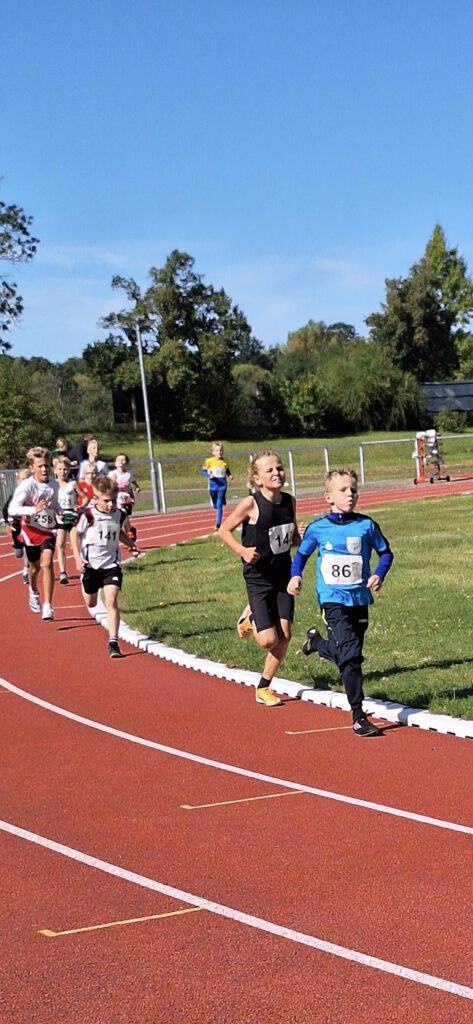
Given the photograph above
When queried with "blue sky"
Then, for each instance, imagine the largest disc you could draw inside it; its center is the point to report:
(300, 150)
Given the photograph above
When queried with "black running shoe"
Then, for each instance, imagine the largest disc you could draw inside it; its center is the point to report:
(114, 650)
(363, 727)
(311, 644)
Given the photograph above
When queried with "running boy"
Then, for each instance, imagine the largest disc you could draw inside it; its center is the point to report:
(218, 472)
(127, 487)
(344, 584)
(95, 542)
(67, 497)
(34, 501)
(92, 456)
(268, 518)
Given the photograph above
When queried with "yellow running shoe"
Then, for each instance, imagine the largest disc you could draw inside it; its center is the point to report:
(244, 627)
(266, 696)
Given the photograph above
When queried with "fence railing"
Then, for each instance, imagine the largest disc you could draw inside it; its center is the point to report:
(181, 485)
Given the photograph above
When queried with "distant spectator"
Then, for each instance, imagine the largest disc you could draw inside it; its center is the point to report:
(78, 453)
(61, 447)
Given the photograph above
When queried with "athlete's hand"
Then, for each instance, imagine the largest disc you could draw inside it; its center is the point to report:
(250, 555)
(374, 584)
(294, 586)
(302, 527)
(40, 505)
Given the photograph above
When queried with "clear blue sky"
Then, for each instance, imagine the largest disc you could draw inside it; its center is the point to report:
(301, 150)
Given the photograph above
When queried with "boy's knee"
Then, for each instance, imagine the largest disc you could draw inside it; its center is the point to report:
(267, 639)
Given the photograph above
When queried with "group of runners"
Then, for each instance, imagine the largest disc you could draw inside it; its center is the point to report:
(345, 584)
(94, 511)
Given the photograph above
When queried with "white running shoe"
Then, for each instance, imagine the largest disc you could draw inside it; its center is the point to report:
(48, 612)
(34, 600)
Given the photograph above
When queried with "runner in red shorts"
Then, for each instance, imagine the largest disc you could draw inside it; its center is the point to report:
(34, 501)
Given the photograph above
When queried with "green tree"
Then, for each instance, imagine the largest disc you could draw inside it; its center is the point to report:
(192, 336)
(27, 416)
(17, 245)
(418, 322)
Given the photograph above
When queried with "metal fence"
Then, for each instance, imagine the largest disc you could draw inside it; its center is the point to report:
(181, 485)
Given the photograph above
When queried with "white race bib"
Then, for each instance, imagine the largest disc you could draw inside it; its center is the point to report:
(280, 538)
(45, 520)
(123, 498)
(341, 570)
(67, 500)
(104, 534)
(217, 473)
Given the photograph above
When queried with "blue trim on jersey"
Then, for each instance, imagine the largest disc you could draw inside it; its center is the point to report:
(352, 536)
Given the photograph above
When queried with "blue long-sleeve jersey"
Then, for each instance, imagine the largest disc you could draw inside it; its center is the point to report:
(344, 543)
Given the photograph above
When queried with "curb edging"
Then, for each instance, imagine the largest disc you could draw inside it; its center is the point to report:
(389, 711)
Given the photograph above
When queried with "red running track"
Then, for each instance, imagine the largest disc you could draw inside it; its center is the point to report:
(277, 895)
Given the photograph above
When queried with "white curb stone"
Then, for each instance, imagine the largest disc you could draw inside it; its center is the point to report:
(389, 711)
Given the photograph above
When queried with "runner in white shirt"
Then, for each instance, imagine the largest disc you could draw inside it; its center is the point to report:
(35, 502)
(127, 486)
(67, 496)
(92, 456)
(95, 542)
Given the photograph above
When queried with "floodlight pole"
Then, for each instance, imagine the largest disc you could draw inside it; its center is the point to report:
(152, 464)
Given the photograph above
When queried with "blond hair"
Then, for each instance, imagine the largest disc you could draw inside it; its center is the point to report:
(62, 460)
(342, 471)
(253, 470)
(38, 453)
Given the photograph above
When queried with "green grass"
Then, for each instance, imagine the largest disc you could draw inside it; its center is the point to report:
(182, 461)
(419, 647)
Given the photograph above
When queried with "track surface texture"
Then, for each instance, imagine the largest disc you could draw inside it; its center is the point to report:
(172, 852)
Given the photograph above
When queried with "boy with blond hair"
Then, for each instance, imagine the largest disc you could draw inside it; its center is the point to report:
(35, 502)
(344, 584)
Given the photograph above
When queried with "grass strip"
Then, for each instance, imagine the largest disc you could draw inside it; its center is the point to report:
(419, 647)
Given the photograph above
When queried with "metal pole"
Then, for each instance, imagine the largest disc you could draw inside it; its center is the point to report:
(362, 464)
(291, 471)
(162, 491)
(154, 484)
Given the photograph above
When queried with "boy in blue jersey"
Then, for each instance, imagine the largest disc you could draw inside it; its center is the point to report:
(344, 583)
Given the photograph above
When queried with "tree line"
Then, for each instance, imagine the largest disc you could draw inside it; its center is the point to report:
(209, 376)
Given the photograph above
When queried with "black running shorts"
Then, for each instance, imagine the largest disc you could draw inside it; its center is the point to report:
(94, 579)
(269, 602)
(33, 552)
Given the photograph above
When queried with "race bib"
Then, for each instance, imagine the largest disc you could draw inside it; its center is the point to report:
(45, 520)
(341, 570)
(104, 534)
(217, 473)
(280, 538)
(123, 498)
(67, 501)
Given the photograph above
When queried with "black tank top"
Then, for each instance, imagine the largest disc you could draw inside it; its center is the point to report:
(271, 535)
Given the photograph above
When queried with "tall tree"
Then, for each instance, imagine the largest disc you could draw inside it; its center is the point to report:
(192, 335)
(17, 245)
(418, 321)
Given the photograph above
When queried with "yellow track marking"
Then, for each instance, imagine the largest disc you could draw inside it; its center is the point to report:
(115, 924)
(243, 800)
(303, 732)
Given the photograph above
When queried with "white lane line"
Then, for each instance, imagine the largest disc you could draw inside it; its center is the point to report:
(10, 577)
(234, 769)
(343, 952)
